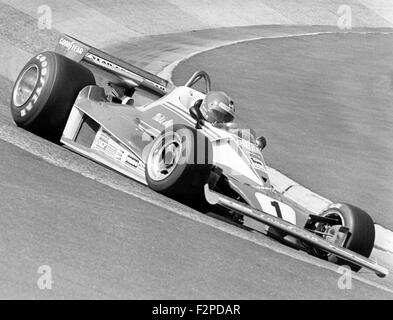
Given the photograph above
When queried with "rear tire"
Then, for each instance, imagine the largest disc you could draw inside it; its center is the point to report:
(45, 92)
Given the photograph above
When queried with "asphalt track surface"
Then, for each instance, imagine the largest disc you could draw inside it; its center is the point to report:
(102, 243)
(108, 237)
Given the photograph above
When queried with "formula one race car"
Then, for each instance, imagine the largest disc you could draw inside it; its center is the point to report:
(151, 131)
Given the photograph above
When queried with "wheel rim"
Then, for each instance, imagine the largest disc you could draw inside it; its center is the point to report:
(165, 156)
(333, 231)
(25, 86)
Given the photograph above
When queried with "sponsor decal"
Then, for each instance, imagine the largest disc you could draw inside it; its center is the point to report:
(257, 163)
(112, 66)
(225, 107)
(105, 144)
(44, 70)
(161, 119)
(247, 145)
(71, 45)
(132, 162)
(162, 88)
(106, 64)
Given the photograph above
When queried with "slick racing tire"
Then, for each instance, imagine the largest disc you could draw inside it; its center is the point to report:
(361, 231)
(45, 92)
(179, 163)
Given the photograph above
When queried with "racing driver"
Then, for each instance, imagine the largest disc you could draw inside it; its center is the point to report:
(217, 108)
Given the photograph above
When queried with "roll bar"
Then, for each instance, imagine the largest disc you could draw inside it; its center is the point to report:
(198, 76)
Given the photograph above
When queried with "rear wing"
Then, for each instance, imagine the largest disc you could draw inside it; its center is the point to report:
(125, 72)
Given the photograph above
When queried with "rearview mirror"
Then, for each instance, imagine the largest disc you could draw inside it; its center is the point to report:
(196, 115)
(261, 142)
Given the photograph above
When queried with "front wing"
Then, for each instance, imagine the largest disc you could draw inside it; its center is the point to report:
(215, 198)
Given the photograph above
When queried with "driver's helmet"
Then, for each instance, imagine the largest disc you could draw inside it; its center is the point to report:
(217, 107)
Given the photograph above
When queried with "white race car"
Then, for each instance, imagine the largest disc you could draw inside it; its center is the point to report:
(149, 130)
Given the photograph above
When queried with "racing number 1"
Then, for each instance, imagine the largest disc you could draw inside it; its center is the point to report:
(276, 206)
(272, 206)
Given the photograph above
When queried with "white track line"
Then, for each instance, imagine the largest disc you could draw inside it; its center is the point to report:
(63, 158)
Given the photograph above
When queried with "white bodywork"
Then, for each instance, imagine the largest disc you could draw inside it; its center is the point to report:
(230, 152)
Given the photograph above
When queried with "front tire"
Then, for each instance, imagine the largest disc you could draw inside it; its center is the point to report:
(361, 231)
(45, 92)
(179, 163)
